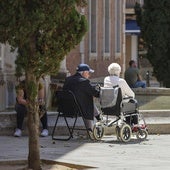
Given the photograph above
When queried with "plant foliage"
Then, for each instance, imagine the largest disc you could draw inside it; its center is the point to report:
(43, 32)
(155, 26)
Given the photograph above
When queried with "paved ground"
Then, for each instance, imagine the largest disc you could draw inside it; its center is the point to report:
(109, 154)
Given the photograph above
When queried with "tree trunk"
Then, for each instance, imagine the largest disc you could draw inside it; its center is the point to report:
(33, 124)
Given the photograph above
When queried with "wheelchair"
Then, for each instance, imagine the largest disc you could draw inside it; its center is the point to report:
(127, 119)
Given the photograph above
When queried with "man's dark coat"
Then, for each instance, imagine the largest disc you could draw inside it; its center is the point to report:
(84, 93)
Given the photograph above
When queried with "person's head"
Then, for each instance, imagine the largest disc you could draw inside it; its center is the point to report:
(132, 63)
(114, 69)
(20, 86)
(84, 70)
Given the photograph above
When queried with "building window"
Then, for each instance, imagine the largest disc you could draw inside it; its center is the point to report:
(118, 21)
(93, 29)
(106, 28)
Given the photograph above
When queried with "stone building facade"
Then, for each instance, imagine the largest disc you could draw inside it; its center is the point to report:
(106, 41)
(7, 77)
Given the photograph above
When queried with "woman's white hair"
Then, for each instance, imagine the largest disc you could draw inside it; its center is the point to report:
(114, 69)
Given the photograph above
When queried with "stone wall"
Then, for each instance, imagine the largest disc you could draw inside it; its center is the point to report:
(153, 98)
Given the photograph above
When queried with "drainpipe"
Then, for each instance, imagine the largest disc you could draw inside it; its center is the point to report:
(82, 42)
(82, 50)
(124, 39)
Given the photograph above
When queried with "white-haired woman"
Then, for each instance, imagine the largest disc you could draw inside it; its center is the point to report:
(113, 79)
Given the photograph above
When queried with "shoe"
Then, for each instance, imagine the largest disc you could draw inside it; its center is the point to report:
(18, 133)
(91, 135)
(44, 133)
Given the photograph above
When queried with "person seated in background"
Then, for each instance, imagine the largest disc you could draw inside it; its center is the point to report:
(132, 76)
(113, 79)
(21, 108)
(84, 91)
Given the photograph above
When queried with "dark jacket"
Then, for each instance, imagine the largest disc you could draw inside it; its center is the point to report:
(84, 93)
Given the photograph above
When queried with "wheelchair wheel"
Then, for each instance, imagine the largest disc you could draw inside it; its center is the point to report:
(125, 133)
(98, 131)
(142, 134)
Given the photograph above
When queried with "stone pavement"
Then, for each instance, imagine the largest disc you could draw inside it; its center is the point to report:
(108, 154)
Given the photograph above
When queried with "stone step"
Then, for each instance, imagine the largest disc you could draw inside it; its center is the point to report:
(155, 113)
(158, 122)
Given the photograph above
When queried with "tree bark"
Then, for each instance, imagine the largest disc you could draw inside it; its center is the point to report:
(34, 161)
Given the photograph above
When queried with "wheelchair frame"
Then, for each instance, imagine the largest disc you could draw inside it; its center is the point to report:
(123, 128)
